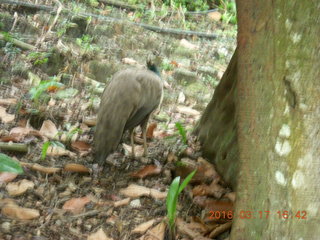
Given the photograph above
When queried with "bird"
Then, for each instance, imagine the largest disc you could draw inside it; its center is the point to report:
(127, 102)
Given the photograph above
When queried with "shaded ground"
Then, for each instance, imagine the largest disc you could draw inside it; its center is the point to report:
(82, 54)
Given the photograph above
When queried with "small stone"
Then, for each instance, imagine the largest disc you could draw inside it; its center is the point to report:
(6, 226)
(135, 203)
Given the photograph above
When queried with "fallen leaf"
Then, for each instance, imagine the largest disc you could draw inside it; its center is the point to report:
(188, 111)
(4, 116)
(231, 196)
(181, 98)
(90, 121)
(123, 202)
(80, 146)
(76, 205)
(156, 233)
(143, 227)
(146, 171)
(138, 150)
(20, 187)
(184, 228)
(8, 101)
(98, 235)
(129, 61)
(49, 129)
(220, 229)
(135, 191)
(6, 177)
(57, 151)
(150, 130)
(215, 16)
(185, 43)
(75, 167)
(10, 138)
(38, 167)
(12, 210)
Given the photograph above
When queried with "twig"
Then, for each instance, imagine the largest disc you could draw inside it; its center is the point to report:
(16, 147)
(18, 43)
(43, 37)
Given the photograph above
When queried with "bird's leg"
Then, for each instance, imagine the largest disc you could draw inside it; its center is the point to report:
(132, 143)
(144, 135)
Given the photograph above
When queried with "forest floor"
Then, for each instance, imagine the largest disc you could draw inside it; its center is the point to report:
(50, 86)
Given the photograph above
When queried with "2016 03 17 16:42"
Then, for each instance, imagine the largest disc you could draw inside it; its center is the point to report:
(242, 214)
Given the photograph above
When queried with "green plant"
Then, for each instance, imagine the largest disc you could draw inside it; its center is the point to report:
(229, 10)
(196, 5)
(172, 200)
(167, 66)
(46, 145)
(38, 58)
(182, 132)
(44, 86)
(7, 164)
(85, 42)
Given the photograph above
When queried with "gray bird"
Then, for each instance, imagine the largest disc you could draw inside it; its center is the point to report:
(127, 102)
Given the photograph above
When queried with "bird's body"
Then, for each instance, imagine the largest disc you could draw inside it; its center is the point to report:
(129, 99)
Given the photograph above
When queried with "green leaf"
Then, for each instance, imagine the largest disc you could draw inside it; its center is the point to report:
(7, 164)
(172, 199)
(186, 181)
(66, 93)
(182, 131)
(45, 149)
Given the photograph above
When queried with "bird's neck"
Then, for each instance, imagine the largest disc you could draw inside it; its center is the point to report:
(154, 69)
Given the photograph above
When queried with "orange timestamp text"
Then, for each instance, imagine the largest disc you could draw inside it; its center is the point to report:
(284, 214)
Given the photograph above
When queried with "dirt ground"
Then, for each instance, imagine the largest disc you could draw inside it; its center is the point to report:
(63, 193)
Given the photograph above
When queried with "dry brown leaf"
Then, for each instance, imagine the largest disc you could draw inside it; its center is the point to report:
(56, 151)
(123, 202)
(90, 121)
(49, 129)
(150, 130)
(129, 61)
(220, 229)
(138, 150)
(12, 210)
(8, 101)
(135, 191)
(231, 196)
(147, 171)
(80, 146)
(75, 167)
(10, 138)
(143, 227)
(38, 167)
(6, 177)
(20, 187)
(76, 205)
(185, 43)
(20, 132)
(188, 111)
(184, 228)
(214, 189)
(4, 116)
(215, 16)
(98, 235)
(156, 233)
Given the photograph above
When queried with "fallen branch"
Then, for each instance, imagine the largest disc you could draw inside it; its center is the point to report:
(111, 19)
(15, 147)
(18, 43)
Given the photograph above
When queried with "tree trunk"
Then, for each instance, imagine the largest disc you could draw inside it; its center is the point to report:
(277, 105)
(217, 127)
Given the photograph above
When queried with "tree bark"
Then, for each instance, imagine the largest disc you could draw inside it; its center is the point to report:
(217, 127)
(274, 136)
(278, 120)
